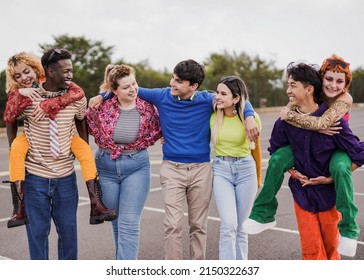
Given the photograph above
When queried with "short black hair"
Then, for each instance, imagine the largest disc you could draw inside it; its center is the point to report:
(307, 74)
(190, 70)
(54, 55)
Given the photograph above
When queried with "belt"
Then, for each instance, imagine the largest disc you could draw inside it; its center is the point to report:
(109, 152)
(228, 158)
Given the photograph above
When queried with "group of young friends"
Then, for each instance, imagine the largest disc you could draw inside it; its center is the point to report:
(126, 119)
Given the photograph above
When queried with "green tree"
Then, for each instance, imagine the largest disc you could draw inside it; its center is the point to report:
(357, 86)
(89, 60)
(263, 79)
(149, 78)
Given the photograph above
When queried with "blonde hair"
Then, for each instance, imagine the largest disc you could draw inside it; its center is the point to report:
(105, 84)
(27, 59)
(237, 88)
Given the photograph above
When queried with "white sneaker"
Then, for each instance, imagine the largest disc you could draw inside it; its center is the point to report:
(253, 227)
(347, 246)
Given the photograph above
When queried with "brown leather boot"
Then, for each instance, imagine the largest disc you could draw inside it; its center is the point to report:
(99, 212)
(19, 216)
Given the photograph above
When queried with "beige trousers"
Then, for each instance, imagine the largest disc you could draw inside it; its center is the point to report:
(181, 182)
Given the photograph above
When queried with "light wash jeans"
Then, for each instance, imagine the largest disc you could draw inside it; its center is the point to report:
(125, 184)
(235, 186)
(46, 200)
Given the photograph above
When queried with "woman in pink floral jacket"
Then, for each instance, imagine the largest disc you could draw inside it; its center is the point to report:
(124, 127)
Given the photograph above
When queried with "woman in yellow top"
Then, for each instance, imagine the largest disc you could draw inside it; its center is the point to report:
(235, 181)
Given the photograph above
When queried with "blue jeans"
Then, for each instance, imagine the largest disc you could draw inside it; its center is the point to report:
(235, 186)
(51, 199)
(125, 184)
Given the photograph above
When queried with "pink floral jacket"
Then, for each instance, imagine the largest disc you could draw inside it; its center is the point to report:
(102, 121)
(17, 103)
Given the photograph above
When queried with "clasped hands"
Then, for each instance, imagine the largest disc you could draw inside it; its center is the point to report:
(305, 181)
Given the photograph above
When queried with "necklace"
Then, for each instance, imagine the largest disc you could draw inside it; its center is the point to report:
(305, 114)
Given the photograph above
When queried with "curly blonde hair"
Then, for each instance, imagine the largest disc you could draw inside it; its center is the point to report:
(336, 63)
(27, 59)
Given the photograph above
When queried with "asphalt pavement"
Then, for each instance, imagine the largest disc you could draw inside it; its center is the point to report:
(96, 241)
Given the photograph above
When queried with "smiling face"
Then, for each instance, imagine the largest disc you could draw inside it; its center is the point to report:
(333, 84)
(297, 92)
(181, 88)
(225, 99)
(24, 75)
(127, 90)
(60, 74)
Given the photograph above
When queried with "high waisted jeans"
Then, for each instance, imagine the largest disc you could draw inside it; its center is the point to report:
(125, 184)
(47, 199)
(235, 186)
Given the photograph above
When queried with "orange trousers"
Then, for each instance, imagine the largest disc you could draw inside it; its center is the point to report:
(79, 148)
(319, 233)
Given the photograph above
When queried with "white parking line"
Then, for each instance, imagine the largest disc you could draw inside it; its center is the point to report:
(159, 210)
(217, 219)
(86, 200)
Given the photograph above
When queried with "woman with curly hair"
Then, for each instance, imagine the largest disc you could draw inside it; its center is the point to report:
(24, 73)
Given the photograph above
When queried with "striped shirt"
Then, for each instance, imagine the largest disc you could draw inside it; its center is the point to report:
(127, 128)
(39, 161)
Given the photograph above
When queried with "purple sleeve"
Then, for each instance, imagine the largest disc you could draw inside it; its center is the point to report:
(278, 137)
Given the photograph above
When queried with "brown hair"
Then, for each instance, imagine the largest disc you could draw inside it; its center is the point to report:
(113, 73)
(238, 88)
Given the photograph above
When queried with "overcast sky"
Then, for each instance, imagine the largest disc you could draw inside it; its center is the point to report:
(167, 31)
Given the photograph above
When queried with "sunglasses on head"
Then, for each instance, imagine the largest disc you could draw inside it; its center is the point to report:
(228, 79)
(14, 59)
(58, 51)
(334, 62)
